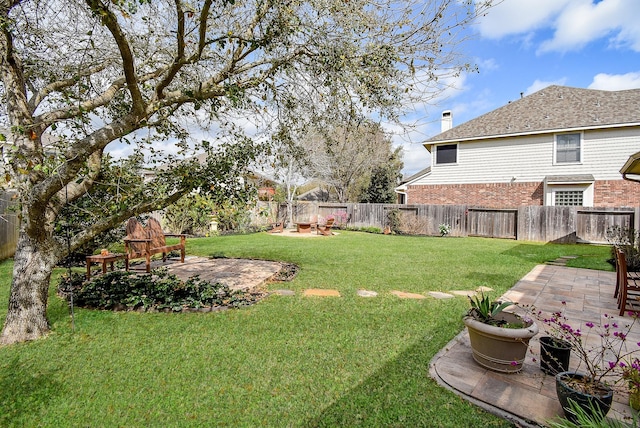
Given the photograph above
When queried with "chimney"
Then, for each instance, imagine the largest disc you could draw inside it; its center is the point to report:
(447, 121)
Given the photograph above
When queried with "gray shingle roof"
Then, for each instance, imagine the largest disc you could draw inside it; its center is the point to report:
(416, 175)
(551, 109)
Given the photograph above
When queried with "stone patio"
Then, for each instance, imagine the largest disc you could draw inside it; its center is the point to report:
(528, 398)
(235, 273)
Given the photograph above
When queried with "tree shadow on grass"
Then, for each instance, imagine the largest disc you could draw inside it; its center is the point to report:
(24, 391)
(401, 394)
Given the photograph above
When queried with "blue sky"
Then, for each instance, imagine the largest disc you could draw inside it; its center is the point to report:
(522, 46)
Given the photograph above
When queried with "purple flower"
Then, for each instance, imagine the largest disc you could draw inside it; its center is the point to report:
(514, 363)
(590, 325)
(612, 364)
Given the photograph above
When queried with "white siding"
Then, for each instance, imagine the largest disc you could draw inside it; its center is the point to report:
(530, 159)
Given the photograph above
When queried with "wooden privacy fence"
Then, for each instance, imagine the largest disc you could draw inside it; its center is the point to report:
(526, 223)
(9, 226)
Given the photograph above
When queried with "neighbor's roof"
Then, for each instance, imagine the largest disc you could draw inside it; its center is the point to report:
(418, 174)
(551, 109)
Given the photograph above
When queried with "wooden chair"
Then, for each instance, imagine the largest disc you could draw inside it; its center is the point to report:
(277, 227)
(326, 229)
(143, 242)
(628, 286)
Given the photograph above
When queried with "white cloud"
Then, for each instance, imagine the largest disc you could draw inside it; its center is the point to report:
(415, 158)
(616, 82)
(574, 23)
(519, 17)
(582, 22)
(487, 64)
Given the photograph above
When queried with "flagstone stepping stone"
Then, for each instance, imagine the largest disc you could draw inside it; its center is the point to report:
(483, 289)
(285, 292)
(405, 295)
(321, 292)
(367, 293)
(440, 295)
(465, 293)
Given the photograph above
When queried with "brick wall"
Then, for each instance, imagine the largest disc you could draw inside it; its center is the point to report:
(609, 193)
(616, 193)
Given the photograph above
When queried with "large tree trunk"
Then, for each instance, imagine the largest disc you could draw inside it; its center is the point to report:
(26, 318)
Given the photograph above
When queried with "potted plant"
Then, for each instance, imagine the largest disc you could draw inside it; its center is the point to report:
(555, 355)
(601, 349)
(555, 351)
(499, 339)
(631, 375)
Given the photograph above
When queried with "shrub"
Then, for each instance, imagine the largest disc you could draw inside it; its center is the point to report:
(444, 229)
(159, 290)
(628, 240)
(393, 220)
(411, 224)
(191, 214)
(368, 229)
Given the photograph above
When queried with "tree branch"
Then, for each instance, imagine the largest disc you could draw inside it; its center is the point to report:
(38, 96)
(128, 62)
(178, 61)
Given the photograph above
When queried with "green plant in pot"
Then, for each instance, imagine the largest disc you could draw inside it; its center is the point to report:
(499, 339)
(601, 349)
(631, 375)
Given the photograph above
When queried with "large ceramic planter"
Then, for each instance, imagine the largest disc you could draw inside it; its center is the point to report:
(554, 355)
(597, 403)
(498, 348)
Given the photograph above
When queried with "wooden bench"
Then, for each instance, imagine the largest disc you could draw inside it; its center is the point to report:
(143, 242)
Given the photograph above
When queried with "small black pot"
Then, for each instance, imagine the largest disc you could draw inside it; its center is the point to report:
(554, 355)
(595, 405)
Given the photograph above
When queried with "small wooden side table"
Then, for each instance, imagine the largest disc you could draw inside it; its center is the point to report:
(104, 259)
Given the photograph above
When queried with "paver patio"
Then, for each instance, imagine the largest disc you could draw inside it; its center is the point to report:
(528, 398)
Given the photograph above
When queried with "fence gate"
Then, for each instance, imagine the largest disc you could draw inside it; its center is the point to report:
(592, 225)
(492, 223)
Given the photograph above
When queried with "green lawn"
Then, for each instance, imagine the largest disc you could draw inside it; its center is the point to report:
(288, 361)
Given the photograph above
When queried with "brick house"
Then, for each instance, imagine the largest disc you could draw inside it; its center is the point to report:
(557, 146)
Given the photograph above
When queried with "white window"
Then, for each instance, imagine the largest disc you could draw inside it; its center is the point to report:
(568, 148)
(446, 154)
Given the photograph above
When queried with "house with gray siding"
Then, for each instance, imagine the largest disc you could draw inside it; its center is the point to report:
(557, 146)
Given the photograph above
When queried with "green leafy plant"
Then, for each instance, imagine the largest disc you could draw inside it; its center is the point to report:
(631, 374)
(190, 214)
(628, 241)
(485, 310)
(393, 220)
(158, 290)
(589, 419)
(444, 229)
